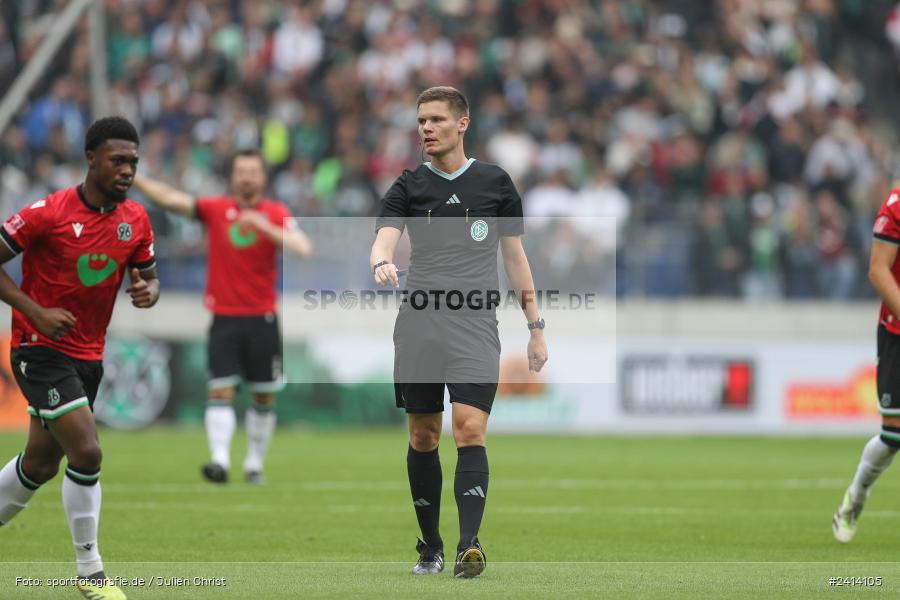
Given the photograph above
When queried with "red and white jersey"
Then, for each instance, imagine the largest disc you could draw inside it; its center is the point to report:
(74, 256)
(887, 229)
(241, 269)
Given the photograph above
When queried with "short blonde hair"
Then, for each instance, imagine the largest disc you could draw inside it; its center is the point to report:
(458, 104)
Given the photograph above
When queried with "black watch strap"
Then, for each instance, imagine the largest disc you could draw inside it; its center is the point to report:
(379, 264)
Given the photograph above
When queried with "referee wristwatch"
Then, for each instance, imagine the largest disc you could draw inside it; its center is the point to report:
(539, 324)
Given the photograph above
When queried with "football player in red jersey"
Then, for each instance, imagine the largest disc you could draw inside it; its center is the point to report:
(76, 245)
(884, 273)
(245, 232)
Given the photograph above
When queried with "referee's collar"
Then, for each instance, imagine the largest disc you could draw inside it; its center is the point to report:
(454, 174)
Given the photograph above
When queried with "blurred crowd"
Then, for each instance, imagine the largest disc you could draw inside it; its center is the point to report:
(714, 148)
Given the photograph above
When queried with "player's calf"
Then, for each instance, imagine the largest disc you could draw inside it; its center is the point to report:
(220, 422)
(17, 488)
(81, 500)
(260, 421)
(876, 457)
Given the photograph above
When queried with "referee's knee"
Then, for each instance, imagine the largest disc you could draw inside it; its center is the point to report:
(424, 440)
(463, 440)
(424, 436)
(469, 433)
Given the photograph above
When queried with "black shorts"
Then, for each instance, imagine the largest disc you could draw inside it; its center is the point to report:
(888, 372)
(54, 383)
(245, 349)
(431, 352)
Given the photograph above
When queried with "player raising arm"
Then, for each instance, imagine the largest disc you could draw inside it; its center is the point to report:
(246, 230)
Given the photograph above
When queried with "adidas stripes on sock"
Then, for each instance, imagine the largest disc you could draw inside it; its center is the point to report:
(425, 480)
(470, 488)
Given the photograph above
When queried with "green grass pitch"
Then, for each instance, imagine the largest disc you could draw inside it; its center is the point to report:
(567, 517)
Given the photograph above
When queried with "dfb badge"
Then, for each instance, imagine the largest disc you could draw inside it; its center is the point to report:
(479, 230)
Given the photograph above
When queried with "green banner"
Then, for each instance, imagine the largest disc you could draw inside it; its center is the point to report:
(149, 380)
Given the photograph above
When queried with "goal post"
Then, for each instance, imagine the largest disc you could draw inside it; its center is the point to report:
(62, 26)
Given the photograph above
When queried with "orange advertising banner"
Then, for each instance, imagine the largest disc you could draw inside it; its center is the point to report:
(853, 398)
(12, 403)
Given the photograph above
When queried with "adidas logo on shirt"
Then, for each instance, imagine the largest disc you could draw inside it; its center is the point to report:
(453, 200)
(475, 491)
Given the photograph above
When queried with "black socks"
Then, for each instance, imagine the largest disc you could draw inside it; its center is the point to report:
(424, 470)
(470, 488)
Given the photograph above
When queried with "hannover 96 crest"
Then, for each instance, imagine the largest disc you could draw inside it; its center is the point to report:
(123, 232)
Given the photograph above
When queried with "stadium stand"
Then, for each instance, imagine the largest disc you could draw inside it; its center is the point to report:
(731, 144)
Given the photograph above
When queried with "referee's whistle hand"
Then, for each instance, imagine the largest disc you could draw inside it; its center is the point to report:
(387, 275)
(537, 353)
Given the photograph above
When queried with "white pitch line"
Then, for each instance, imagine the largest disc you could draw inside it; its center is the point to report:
(338, 508)
(348, 562)
(599, 508)
(504, 484)
(536, 510)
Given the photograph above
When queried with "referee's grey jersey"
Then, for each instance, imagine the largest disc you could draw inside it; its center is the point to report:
(455, 221)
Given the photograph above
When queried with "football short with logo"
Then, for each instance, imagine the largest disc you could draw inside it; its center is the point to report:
(54, 383)
(431, 352)
(888, 372)
(245, 349)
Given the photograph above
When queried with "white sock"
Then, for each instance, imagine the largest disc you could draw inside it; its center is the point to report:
(82, 505)
(876, 457)
(14, 495)
(220, 425)
(260, 426)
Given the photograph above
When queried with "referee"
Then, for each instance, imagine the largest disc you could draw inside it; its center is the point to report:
(458, 211)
